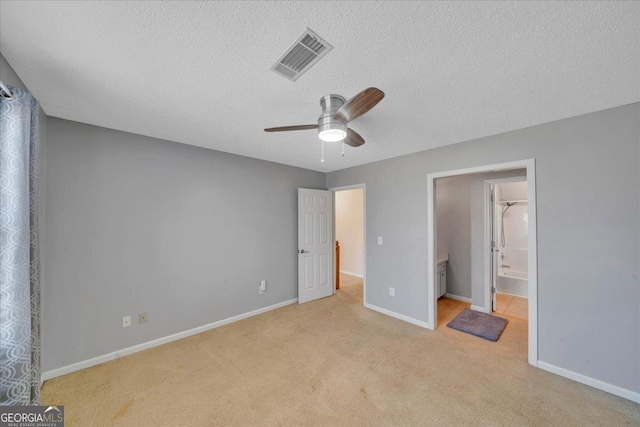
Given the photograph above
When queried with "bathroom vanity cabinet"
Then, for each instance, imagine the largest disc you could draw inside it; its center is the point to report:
(442, 278)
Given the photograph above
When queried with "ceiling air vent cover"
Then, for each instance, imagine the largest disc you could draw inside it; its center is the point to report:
(302, 55)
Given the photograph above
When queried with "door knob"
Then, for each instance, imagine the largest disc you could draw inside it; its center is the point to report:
(302, 251)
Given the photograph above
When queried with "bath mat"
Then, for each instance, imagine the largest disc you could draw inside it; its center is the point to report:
(479, 324)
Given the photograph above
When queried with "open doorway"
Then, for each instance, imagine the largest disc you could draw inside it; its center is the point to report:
(459, 213)
(509, 246)
(349, 233)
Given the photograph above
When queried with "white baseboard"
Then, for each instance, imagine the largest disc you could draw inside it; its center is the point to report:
(352, 274)
(458, 298)
(592, 382)
(480, 309)
(397, 315)
(154, 343)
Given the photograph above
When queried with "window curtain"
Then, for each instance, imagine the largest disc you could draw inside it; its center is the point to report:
(19, 251)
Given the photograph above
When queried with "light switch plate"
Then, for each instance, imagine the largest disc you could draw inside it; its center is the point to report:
(379, 240)
(392, 292)
(126, 321)
(142, 318)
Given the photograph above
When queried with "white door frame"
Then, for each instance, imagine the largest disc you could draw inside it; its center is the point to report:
(529, 165)
(488, 296)
(364, 234)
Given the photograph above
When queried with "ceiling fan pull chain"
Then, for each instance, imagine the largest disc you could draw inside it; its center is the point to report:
(322, 152)
(343, 148)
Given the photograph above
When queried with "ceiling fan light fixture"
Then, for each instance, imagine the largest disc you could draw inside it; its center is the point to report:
(332, 132)
(332, 135)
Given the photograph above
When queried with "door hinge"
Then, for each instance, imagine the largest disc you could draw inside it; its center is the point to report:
(492, 197)
(493, 244)
(493, 290)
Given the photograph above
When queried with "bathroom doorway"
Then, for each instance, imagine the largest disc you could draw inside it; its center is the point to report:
(482, 301)
(509, 266)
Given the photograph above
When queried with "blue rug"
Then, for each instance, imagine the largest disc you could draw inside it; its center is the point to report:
(479, 324)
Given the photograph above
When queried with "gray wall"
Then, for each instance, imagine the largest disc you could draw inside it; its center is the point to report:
(137, 224)
(588, 209)
(185, 234)
(460, 231)
(453, 231)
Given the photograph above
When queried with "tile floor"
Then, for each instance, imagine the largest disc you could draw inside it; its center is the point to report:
(512, 306)
(448, 309)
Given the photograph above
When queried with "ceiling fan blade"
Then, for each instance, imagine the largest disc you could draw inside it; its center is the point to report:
(359, 104)
(353, 138)
(287, 128)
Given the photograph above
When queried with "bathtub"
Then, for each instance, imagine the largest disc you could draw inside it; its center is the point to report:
(513, 282)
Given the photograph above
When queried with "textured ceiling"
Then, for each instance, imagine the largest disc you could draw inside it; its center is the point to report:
(199, 72)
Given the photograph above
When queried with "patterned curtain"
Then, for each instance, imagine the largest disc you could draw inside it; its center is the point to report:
(19, 251)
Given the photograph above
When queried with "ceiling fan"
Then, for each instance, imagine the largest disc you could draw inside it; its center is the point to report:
(336, 113)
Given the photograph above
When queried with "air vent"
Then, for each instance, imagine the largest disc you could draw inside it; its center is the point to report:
(302, 55)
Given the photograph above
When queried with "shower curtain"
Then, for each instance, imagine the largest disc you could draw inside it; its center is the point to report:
(19, 251)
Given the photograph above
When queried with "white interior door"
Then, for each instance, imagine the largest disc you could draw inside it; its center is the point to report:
(494, 249)
(315, 244)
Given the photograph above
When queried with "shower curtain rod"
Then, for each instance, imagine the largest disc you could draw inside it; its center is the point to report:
(6, 90)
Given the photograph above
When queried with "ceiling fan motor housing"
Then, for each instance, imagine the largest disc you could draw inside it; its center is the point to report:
(330, 129)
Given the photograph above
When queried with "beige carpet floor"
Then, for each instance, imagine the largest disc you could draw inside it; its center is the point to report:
(333, 362)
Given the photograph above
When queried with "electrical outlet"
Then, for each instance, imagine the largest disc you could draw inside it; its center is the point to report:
(263, 286)
(126, 321)
(142, 318)
(379, 240)
(392, 292)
